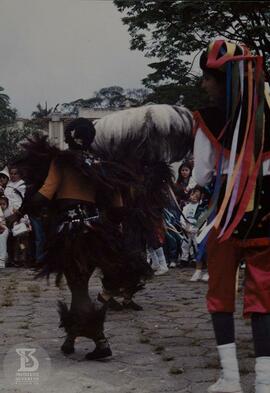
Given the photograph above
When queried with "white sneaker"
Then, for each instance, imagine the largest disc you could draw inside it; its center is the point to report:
(205, 277)
(161, 270)
(197, 275)
(223, 386)
(172, 264)
(155, 266)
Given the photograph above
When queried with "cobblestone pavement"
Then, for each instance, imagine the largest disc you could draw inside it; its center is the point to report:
(167, 347)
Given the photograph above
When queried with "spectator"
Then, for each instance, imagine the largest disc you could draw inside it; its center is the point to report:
(201, 257)
(159, 264)
(180, 189)
(4, 178)
(4, 232)
(189, 218)
(19, 244)
(15, 189)
(173, 239)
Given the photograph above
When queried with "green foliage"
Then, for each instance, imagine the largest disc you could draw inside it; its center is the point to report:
(10, 139)
(7, 114)
(193, 97)
(110, 97)
(41, 112)
(170, 29)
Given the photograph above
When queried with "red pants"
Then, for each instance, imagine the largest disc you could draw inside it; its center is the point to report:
(223, 261)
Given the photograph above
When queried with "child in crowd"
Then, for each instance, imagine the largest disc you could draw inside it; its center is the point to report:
(173, 239)
(180, 187)
(21, 241)
(4, 232)
(190, 215)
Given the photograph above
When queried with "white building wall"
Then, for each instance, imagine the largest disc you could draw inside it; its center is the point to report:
(56, 124)
(94, 113)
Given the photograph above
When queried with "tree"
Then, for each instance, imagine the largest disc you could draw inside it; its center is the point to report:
(190, 95)
(40, 113)
(171, 29)
(112, 97)
(137, 96)
(10, 139)
(7, 114)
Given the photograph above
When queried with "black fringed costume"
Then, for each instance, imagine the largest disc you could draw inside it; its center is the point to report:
(85, 234)
(87, 192)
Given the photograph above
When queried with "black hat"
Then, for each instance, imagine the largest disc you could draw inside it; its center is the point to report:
(79, 134)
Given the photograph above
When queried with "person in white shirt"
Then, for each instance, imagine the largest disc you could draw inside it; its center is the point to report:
(4, 178)
(232, 146)
(15, 189)
(20, 242)
(4, 232)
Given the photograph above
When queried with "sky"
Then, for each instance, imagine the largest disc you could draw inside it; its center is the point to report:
(61, 50)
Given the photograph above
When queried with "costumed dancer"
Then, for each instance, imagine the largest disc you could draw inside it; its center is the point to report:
(232, 143)
(146, 140)
(87, 204)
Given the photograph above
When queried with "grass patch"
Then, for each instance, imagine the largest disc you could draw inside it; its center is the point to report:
(159, 349)
(167, 358)
(8, 292)
(144, 340)
(212, 364)
(195, 342)
(25, 326)
(34, 289)
(176, 370)
(244, 370)
(7, 303)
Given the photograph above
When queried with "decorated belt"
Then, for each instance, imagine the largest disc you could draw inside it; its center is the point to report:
(78, 214)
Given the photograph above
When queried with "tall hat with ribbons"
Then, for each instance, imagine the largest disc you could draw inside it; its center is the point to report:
(242, 139)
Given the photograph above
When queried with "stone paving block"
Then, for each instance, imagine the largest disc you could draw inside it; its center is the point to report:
(168, 347)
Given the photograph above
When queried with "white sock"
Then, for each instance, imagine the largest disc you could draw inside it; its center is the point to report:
(161, 257)
(262, 368)
(229, 363)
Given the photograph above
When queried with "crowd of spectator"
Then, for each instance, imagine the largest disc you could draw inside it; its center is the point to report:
(172, 245)
(16, 240)
(178, 247)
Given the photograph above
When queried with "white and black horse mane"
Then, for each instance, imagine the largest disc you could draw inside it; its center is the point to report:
(149, 133)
